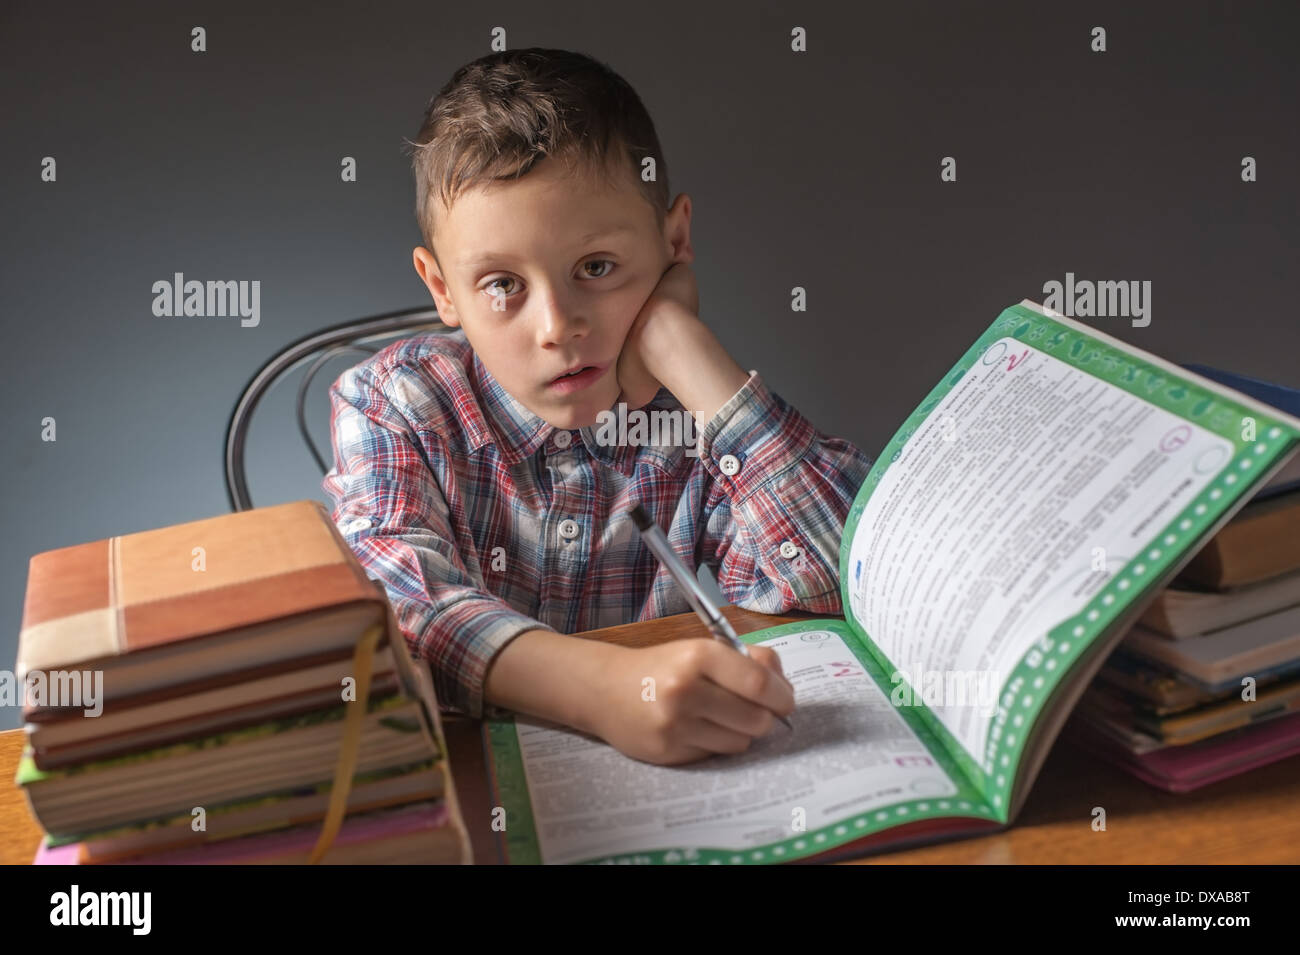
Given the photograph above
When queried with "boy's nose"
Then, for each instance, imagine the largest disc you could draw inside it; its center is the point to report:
(559, 322)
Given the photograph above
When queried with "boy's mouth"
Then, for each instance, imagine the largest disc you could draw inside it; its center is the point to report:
(577, 377)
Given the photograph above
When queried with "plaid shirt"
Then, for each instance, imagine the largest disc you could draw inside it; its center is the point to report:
(482, 521)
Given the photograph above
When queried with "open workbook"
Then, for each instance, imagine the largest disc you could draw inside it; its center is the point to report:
(1005, 539)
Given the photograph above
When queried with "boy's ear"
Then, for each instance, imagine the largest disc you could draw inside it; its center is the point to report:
(426, 266)
(677, 230)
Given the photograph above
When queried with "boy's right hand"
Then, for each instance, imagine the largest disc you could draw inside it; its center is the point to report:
(705, 698)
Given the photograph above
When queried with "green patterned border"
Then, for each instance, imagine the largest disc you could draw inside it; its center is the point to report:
(509, 784)
(1032, 680)
(523, 847)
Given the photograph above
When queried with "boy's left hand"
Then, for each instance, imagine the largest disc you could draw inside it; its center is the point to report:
(675, 298)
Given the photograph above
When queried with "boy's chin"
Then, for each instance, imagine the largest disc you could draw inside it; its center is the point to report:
(571, 416)
(571, 421)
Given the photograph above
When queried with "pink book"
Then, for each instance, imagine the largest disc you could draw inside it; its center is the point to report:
(1184, 768)
(397, 824)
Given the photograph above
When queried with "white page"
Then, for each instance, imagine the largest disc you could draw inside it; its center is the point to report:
(849, 753)
(980, 537)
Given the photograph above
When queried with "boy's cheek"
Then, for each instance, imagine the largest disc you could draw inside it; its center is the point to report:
(645, 291)
(622, 344)
(626, 320)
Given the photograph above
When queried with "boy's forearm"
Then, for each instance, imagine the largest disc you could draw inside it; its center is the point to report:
(548, 674)
(687, 359)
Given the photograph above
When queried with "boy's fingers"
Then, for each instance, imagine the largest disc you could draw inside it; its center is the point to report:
(716, 738)
(714, 703)
(769, 658)
(772, 660)
(735, 672)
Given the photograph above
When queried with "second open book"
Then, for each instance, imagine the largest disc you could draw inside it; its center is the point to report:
(1015, 526)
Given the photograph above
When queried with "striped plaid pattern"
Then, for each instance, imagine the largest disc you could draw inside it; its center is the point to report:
(481, 525)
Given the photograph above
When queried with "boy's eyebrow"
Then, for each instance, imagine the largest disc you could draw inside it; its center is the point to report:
(479, 261)
(604, 233)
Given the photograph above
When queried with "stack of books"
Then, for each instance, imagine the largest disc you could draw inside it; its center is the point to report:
(1207, 684)
(231, 690)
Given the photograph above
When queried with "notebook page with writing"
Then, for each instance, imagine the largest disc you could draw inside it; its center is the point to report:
(854, 765)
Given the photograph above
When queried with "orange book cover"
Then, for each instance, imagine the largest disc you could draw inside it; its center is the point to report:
(159, 595)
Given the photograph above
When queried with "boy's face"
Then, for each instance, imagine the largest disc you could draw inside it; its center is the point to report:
(546, 273)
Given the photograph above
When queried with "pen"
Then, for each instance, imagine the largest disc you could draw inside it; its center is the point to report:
(718, 625)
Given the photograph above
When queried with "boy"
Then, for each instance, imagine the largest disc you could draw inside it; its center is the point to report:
(469, 476)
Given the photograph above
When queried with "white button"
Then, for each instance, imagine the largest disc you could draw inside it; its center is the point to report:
(568, 529)
(563, 439)
(729, 463)
(789, 551)
(360, 524)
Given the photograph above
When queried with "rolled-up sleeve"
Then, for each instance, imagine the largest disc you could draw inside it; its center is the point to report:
(391, 510)
(781, 493)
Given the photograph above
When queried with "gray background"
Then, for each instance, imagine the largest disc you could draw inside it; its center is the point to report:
(818, 169)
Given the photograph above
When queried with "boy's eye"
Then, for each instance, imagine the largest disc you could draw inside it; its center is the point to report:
(492, 289)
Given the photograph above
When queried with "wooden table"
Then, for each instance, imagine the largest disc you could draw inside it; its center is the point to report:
(1252, 818)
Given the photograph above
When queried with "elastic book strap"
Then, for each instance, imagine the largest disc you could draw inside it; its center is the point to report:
(362, 662)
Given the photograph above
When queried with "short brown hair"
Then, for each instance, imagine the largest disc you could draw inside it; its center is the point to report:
(500, 115)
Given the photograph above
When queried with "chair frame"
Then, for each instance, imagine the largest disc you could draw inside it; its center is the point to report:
(346, 336)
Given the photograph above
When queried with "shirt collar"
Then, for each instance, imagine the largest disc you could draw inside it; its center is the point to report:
(516, 431)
